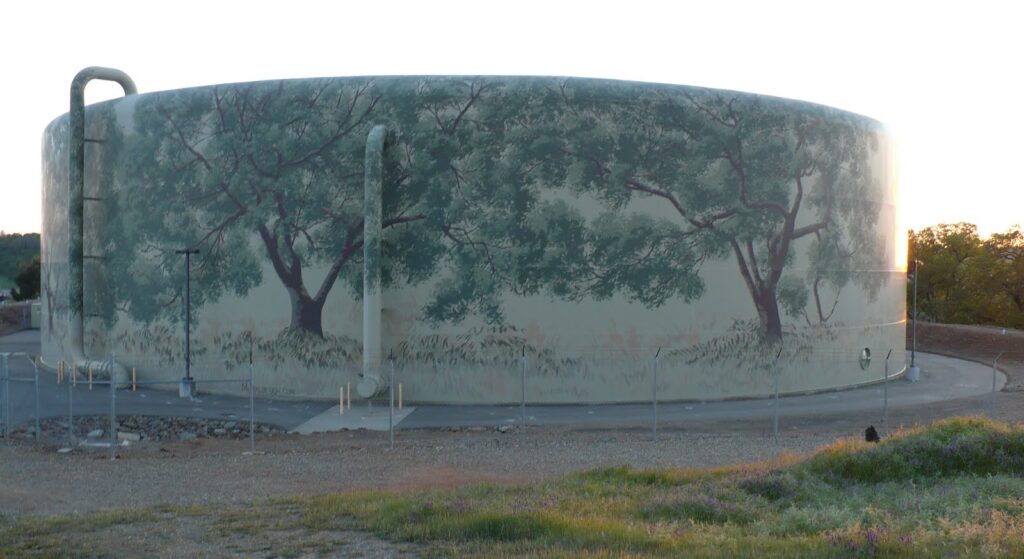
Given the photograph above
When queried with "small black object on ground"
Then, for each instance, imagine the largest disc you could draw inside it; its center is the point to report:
(871, 435)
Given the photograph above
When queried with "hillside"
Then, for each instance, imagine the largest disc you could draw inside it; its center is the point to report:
(15, 248)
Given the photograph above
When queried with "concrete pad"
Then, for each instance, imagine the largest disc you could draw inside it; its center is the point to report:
(358, 417)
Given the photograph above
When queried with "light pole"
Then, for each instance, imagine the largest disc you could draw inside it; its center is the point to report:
(914, 372)
(187, 387)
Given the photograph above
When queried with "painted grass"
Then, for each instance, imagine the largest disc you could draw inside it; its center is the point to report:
(954, 489)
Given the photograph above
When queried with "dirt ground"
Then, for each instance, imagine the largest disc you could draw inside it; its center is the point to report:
(977, 343)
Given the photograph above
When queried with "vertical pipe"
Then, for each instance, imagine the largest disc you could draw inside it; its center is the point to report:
(76, 196)
(373, 185)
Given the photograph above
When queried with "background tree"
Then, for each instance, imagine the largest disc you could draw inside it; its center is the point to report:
(15, 250)
(27, 280)
(966, 279)
(1007, 251)
(946, 250)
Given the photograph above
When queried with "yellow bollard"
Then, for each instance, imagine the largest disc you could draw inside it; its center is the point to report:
(90, 377)
(341, 400)
(349, 395)
(60, 370)
(399, 395)
(133, 379)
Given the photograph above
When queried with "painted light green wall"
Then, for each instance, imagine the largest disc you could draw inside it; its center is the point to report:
(585, 223)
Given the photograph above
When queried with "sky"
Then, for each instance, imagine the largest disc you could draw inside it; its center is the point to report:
(945, 77)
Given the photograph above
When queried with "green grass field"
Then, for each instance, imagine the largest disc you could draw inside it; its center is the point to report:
(953, 489)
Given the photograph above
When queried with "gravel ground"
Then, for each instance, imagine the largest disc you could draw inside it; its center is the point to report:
(143, 427)
(37, 480)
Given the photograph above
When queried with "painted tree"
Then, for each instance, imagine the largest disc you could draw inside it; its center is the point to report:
(741, 176)
(508, 225)
(279, 161)
(485, 180)
(283, 162)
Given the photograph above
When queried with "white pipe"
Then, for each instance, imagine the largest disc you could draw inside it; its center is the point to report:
(372, 382)
(76, 213)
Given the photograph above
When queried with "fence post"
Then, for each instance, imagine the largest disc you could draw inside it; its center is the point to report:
(6, 372)
(113, 412)
(885, 390)
(252, 404)
(71, 407)
(775, 408)
(35, 367)
(522, 385)
(992, 403)
(654, 395)
(391, 408)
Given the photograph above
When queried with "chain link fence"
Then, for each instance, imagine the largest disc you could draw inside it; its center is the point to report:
(96, 405)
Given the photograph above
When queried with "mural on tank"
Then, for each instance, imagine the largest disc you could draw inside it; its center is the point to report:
(496, 190)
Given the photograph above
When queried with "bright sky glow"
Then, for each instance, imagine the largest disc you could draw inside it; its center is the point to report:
(945, 77)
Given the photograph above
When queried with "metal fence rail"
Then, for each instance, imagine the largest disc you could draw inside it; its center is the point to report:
(112, 384)
(656, 373)
(5, 397)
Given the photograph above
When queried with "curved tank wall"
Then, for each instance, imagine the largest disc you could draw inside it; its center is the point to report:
(584, 225)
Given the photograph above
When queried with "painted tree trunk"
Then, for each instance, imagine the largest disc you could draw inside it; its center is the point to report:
(307, 312)
(767, 304)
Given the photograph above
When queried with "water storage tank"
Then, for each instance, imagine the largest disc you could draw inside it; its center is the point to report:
(574, 225)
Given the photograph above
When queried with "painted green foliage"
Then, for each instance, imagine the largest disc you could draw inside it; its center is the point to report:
(481, 182)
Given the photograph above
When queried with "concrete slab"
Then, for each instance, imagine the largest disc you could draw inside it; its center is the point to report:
(359, 417)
